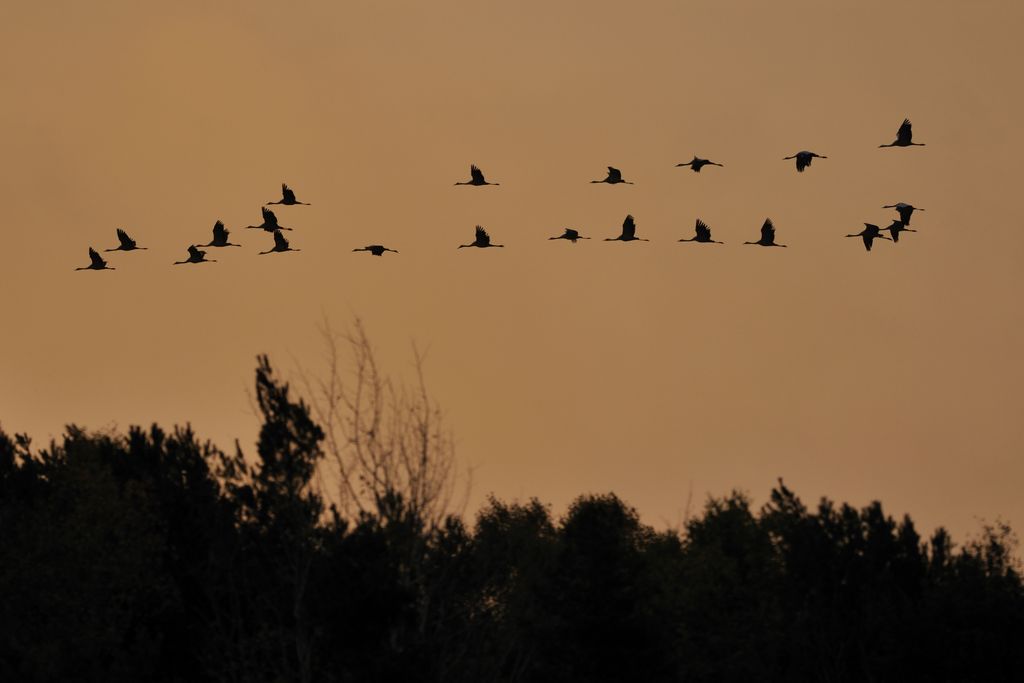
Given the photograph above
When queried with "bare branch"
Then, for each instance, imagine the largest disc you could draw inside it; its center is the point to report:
(387, 440)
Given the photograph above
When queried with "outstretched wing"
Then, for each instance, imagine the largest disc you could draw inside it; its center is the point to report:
(220, 233)
(476, 174)
(702, 230)
(286, 194)
(629, 227)
(126, 241)
(768, 231)
(279, 241)
(614, 174)
(803, 160)
(905, 213)
(571, 234)
(905, 133)
(269, 218)
(97, 260)
(195, 253)
(481, 235)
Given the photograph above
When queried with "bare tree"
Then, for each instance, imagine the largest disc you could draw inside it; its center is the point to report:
(389, 449)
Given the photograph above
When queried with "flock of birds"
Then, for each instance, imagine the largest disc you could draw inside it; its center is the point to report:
(702, 233)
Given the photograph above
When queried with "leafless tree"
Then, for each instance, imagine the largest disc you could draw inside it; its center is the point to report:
(389, 449)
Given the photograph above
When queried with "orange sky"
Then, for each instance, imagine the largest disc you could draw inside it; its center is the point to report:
(652, 369)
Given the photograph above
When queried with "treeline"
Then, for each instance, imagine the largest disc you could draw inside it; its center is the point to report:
(154, 557)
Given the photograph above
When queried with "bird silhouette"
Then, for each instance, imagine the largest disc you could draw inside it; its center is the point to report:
(127, 243)
(904, 210)
(904, 137)
(483, 240)
(895, 228)
(288, 197)
(280, 244)
(767, 235)
(702, 233)
(97, 262)
(628, 232)
(698, 164)
(614, 177)
(195, 255)
(376, 249)
(803, 159)
(869, 234)
(476, 177)
(571, 235)
(220, 237)
(270, 223)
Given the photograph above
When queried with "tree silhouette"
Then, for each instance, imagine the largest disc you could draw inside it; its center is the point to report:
(263, 611)
(391, 451)
(154, 556)
(729, 581)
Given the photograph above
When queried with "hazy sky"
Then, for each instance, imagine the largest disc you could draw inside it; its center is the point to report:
(654, 368)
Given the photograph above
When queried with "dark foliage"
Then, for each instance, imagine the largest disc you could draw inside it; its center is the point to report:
(152, 556)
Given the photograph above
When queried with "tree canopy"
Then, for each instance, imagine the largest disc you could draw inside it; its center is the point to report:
(155, 556)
